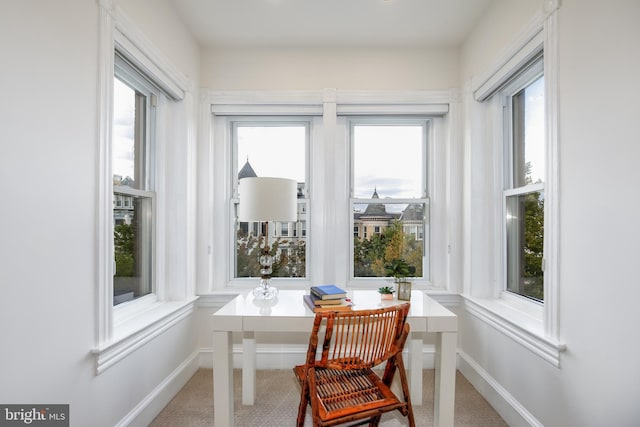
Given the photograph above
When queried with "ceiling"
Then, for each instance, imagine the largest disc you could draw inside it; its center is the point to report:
(330, 23)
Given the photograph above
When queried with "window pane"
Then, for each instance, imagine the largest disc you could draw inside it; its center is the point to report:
(272, 150)
(528, 135)
(127, 128)
(132, 247)
(132, 213)
(388, 158)
(384, 232)
(525, 238)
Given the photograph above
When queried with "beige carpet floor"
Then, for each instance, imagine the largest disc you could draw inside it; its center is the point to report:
(277, 397)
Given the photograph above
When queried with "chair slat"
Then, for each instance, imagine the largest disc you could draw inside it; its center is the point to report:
(338, 383)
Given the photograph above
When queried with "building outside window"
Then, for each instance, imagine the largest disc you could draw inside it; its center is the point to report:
(271, 148)
(524, 194)
(389, 195)
(133, 157)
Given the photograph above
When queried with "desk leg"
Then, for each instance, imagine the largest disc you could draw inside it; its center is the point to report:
(415, 370)
(222, 380)
(445, 387)
(248, 368)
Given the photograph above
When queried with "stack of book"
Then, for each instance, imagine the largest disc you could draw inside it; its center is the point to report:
(327, 298)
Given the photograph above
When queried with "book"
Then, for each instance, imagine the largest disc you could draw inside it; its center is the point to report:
(343, 305)
(317, 301)
(328, 292)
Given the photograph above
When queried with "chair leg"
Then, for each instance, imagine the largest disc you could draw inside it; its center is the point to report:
(375, 421)
(405, 388)
(304, 401)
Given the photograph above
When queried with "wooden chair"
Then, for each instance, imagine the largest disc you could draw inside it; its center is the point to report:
(338, 381)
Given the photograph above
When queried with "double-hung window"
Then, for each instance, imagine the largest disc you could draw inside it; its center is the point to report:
(270, 147)
(520, 99)
(524, 182)
(389, 200)
(133, 171)
(145, 139)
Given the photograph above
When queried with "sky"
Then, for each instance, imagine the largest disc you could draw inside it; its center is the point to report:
(534, 129)
(389, 159)
(123, 130)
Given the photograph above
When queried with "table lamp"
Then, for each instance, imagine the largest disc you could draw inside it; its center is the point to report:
(264, 199)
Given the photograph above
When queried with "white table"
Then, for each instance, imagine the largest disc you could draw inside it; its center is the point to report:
(290, 314)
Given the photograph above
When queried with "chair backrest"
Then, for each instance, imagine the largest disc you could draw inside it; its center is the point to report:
(357, 339)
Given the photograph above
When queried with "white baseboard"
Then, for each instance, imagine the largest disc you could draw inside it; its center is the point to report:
(512, 411)
(277, 356)
(149, 407)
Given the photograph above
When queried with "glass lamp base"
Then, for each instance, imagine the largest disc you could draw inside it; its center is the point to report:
(264, 291)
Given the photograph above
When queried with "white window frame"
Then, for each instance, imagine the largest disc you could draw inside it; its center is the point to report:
(522, 79)
(232, 122)
(123, 329)
(399, 120)
(145, 168)
(533, 325)
(329, 219)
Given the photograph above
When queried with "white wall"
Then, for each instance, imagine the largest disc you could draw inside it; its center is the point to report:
(49, 158)
(597, 382)
(318, 68)
(48, 221)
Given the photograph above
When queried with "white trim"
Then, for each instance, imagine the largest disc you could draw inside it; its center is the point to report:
(378, 109)
(522, 328)
(145, 56)
(509, 408)
(139, 330)
(526, 189)
(266, 110)
(260, 97)
(205, 195)
(329, 148)
(433, 103)
(551, 248)
(121, 331)
(104, 232)
(526, 46)
(149, 407)
(249, 103)
(534, 327)
(311, 102)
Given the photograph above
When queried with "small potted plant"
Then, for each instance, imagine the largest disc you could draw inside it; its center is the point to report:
(400, 270)
(386, 292)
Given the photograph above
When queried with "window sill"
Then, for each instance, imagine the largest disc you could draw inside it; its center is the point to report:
(137, 330)
(524, 327)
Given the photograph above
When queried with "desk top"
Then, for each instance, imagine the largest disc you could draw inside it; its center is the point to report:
(288, 312)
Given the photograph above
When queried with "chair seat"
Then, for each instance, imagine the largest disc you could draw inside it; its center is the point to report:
(338, 379)
(342, 393)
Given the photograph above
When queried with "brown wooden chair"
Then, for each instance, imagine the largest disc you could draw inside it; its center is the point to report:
(338, 381)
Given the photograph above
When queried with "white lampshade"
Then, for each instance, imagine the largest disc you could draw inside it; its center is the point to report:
(268, 199)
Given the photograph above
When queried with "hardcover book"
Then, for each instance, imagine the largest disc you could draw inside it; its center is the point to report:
(318, 301)
(328, 292)
(343, 305)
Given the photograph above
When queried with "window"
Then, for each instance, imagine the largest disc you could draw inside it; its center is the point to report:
(524, 195)
(133, 156)
(520, 99)
(389, 195)
(284, 229)
(134, 167)
(270, 148)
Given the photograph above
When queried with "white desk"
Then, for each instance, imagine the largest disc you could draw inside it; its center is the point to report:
(290, 314)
